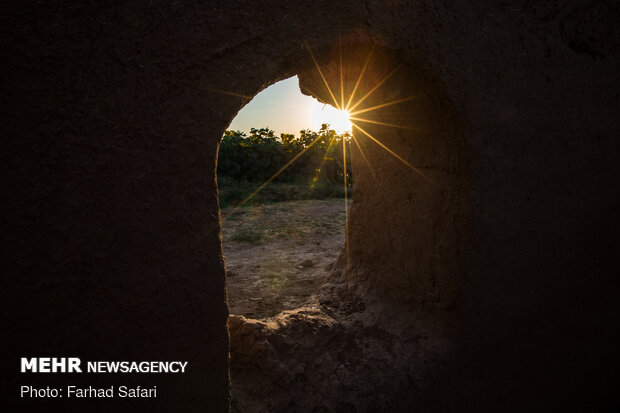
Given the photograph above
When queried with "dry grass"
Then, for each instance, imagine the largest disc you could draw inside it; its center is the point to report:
(295, 219)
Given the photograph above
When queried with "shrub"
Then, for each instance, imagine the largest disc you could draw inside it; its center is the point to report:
(246, 162)
(258, 157)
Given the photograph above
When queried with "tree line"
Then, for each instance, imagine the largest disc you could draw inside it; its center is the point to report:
(258, 156)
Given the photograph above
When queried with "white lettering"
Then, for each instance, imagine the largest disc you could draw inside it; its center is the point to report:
(74, 365)
(58, 365)
(29, 391)
(50, 365)
(29, 365)
(183, 364)
(44, 365)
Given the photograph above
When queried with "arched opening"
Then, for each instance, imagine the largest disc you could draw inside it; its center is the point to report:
(284, 199)
(386, 314)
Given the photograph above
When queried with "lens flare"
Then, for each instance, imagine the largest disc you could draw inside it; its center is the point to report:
(338, 120)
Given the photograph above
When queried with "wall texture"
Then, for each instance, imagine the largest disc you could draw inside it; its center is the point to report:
(112, 118)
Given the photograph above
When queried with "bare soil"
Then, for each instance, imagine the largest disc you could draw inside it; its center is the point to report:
(277, 256)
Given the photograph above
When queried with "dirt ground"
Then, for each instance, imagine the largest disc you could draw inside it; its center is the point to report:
(277, 256)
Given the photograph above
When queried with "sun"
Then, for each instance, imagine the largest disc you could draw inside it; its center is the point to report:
(338, 119)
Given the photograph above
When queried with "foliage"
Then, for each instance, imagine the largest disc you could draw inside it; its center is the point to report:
(232, 192)
(257, 157)
(245, 162)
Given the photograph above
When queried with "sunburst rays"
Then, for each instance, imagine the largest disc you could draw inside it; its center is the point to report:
(346, 203)
(341, 75)
(350, 107)
(329, 146)
(318, 68)
(359, 147)
(226, 92)
(359, 78)
(374, 88)
(394, 154)
(377, 122)
(383, 105)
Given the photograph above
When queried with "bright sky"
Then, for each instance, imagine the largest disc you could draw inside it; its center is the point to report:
(284, 109)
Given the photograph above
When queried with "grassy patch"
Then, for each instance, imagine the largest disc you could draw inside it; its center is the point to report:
(285, 220)
(247, 234)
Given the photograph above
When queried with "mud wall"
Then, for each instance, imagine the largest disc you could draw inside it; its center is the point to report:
(111, 132)
(410, 163)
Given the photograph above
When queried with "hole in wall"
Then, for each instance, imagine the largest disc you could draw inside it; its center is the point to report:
(281, 178)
